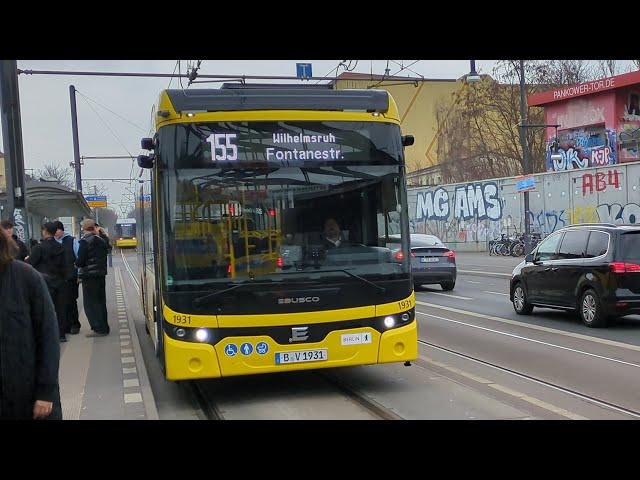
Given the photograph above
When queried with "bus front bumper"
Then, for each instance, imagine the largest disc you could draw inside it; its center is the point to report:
(248, 355)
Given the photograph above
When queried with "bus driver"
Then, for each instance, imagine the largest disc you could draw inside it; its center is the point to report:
(332, 234)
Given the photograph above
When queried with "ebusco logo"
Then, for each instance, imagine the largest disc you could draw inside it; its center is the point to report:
(287, 300)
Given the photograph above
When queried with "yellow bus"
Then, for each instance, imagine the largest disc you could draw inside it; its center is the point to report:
(277, 235)
(125, 233)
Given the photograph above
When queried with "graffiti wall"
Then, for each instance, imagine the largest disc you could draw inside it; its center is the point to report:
(469, 215)
(583, 148)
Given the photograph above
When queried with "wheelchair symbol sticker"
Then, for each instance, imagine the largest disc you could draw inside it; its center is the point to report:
(262, 348)
(230, 350)
(246, 348)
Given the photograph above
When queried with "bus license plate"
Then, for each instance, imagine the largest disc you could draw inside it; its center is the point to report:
(300, 356)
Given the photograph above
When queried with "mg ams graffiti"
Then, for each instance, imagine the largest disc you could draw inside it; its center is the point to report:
(468, 213)
(474, 200)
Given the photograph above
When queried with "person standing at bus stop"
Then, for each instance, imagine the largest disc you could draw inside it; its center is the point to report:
(29, 347)
(92, 270)
(7, 227)
(71, 247)
(48, 258)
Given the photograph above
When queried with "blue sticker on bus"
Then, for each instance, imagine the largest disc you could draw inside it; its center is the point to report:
(262, 348)
(246, 348)
(230, 349)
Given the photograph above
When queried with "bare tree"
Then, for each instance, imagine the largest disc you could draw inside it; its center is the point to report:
(479, 135)
(95, 189)
(560, 72)
(52, 172)
(106, 217)
(608, 68)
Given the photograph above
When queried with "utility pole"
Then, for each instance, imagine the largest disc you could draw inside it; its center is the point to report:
(95, 192)
(14, 155)
(525, 156)
(76, 144)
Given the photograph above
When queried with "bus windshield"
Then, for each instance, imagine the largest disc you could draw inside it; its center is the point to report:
(125, 230)
(281, 201)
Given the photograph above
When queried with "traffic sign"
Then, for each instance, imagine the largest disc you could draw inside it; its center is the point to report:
(303, 70)
(246, 348)
(525, 183)
(96, 201)
(231, 349)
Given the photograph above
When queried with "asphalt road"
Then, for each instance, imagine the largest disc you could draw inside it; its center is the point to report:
(478, 360)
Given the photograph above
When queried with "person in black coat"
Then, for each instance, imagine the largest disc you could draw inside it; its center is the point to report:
(92, 269)
(71, 247)
(7, 226)
(103, 235)
(29, 347)
(48, 258)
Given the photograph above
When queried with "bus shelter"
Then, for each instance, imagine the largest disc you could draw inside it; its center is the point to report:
(47, 201)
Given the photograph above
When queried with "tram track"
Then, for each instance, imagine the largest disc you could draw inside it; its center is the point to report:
(568, 391)
(373, 407)
(208, 407)
(211, 412)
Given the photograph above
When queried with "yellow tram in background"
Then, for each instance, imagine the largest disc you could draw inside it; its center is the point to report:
(276, 237)
(125, 233)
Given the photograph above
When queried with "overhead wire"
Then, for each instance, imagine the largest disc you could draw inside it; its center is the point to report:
(104, 122)
(172, 74)
(111, 111)
(331, 71)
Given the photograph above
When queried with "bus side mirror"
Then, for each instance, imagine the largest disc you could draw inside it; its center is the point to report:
(147, 144)
(407, 140)
(146, 161)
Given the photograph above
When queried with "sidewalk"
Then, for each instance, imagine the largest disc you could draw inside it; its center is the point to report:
(104, 378)
(481, 263)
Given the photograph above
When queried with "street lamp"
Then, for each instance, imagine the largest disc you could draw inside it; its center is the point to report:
(555, 155)
(473, 76)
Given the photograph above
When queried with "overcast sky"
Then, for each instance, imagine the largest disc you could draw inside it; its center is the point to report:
(46, 118)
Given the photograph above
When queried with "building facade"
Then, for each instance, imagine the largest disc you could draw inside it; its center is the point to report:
(418, 101)
(599, 122)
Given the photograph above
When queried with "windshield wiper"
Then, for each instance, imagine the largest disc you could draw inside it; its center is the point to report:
(200, 300)
(342, 270)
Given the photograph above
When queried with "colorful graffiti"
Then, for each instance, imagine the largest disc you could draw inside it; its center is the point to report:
(432, 205)
(586, 214)
(583, 148)
(469, 215)
(598, 182)
(478, 201)
(619, 214)
(547, 221)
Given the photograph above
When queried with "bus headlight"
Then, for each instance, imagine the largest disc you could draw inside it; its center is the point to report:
(405, 317)
(389, 321)
(202, 335)
(180, 332)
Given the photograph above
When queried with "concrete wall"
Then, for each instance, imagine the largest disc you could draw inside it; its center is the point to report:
(468, 215)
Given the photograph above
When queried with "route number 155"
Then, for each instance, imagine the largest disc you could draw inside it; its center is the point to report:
(225, 144)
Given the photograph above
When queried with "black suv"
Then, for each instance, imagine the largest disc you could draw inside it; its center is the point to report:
(591, 268)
